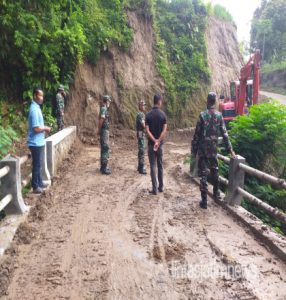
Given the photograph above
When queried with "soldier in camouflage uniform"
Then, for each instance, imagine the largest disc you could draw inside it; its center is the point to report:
(140, 128)
(204, 144)
(103, 131)
(60, 107)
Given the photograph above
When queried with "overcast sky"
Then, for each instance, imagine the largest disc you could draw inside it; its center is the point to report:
(242, 12)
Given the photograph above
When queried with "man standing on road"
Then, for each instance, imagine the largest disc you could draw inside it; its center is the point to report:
(103, 131)
(140, 128)
(204, 144)
(156, 128)
(36, 139)
(60, 107)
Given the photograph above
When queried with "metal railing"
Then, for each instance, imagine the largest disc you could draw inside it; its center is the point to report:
(235, 185)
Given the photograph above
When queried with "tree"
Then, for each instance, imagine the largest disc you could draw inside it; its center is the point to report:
(268, 30)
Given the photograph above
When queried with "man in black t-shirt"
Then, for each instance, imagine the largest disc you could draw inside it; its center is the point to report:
(156, 128)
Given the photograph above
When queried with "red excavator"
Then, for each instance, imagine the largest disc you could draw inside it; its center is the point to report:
(243, 93)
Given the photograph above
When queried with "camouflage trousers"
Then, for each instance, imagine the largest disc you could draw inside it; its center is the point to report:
(104, 146)
(60, 122)
(141, 151)
(203, 165)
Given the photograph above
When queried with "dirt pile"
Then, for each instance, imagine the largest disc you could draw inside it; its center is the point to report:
(225, 60)
(127, 76)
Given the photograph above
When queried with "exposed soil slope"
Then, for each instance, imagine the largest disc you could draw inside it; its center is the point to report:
(225, 60)
(127, 76)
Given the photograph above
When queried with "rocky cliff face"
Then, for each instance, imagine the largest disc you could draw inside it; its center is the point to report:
(225, 60)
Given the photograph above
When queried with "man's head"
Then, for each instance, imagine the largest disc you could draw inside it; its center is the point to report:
(106, 100)
(157, 100)
(142, 105)
(211, 99)
(38, 95)
(61, 88)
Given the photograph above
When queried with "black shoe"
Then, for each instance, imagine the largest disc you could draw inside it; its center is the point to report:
(203, 205)
(38, 191)
(45, 185)
(142, 171)
(217, 195)
(152, 192)
(160, 189)
(105, 170)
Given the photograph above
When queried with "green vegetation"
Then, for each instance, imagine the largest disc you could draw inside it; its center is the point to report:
(43, 41)
(260, 138)
(181, 51)
(219, 11)
(268, 31)
(267, 68)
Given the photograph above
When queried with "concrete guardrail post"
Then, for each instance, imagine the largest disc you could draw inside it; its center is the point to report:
(45, 171)
(11, 184)
(236, 179)
(50, 157)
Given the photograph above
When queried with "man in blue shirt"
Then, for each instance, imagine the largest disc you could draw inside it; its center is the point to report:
(36, 139)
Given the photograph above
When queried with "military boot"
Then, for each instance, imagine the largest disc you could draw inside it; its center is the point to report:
(142, 170)
(216, 193)
(105, 170)
(204, 201)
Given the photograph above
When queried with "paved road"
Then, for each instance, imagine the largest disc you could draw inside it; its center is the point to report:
(280, 98)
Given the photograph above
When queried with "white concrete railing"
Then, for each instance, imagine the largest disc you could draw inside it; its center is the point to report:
(11, 182)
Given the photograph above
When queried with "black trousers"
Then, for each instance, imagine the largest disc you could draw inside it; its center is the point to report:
(37, 158)
(156, 159)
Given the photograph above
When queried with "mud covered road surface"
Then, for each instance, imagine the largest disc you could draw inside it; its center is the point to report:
(104, 237)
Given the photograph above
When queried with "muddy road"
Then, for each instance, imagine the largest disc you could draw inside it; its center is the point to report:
(104, 237)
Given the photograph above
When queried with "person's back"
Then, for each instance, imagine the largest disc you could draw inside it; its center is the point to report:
(212, 123)
(156, 119)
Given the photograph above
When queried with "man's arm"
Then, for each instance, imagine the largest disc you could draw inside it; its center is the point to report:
(42, 129)
(163, 134)
(36, 123)
(101, 120)
(197, 137)
(150, 135)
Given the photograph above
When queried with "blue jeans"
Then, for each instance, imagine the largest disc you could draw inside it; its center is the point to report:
(37, 158)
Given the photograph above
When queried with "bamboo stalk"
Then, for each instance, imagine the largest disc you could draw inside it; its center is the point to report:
(275, 212)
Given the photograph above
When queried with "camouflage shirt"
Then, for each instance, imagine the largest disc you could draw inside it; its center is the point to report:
(140, 118)
(60, 103)
(209, 127)
(104, 115)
